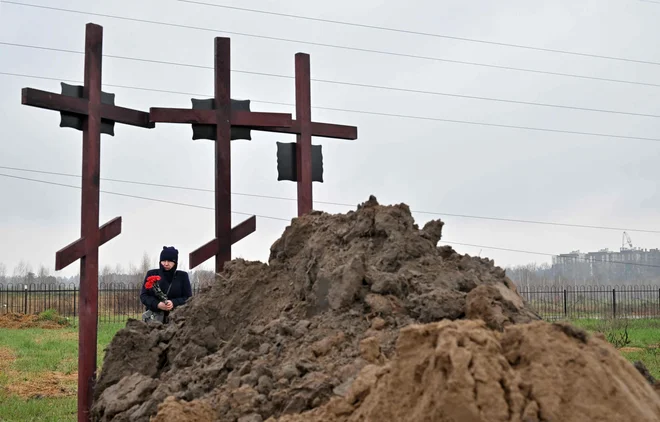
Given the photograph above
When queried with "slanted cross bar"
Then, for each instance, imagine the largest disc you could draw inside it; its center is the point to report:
(223, 118)
(93, 112)
(302, 163)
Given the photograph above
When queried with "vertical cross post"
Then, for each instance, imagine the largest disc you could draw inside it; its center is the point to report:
(222, 94)
(215, 119)
(93, 112)
(89, 223)
(302, 162)
(304, 137)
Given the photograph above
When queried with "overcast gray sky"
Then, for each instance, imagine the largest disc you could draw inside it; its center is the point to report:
(430, 165)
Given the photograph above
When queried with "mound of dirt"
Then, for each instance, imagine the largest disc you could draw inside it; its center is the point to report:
(454, 371)
(285, 337)
(15, 320)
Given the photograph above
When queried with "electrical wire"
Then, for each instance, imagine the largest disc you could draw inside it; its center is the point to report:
(426, 34)
(373, 113)
(512, 220)
(142, 197)
(288, 220)
(351, 84)
(318, 44)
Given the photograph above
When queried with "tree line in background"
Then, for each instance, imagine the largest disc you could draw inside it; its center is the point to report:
(23, 273)
(582, 273)
(532, 274)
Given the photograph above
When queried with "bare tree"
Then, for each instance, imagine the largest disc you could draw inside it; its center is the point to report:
(106, 274)
(42, 274)
(203, 277)
(132, 269)
(146, 263)
(134, 273)
(21, 271)
(3, 272)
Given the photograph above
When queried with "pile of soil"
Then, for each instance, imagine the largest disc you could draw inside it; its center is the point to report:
(320, 323)
(462, 371)
(15, 320)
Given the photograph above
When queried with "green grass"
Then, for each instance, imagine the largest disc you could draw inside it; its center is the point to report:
(633, 333)
(16, 409)
(52, 315)
(42, 350)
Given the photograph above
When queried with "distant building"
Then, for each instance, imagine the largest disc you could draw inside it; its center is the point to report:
(627, 266)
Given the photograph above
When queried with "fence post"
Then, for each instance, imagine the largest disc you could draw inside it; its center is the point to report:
(25, 299)
(565, 303)
(613, 303)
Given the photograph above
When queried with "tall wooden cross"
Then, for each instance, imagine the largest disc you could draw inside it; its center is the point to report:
(302, 162)
(88, 109)
(221, 118)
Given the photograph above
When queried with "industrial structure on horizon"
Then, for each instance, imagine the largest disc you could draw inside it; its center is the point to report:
(626, 266)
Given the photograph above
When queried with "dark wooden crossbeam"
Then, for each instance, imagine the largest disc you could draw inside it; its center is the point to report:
(223, 118)
(93, 112)
(81, 106)
(305, 128)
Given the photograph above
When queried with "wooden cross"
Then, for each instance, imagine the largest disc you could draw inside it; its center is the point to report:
(219, 115)
(93, 112)
(303, 162)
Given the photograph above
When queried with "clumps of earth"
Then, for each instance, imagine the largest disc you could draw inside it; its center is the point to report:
(45, 320)
(363, 317)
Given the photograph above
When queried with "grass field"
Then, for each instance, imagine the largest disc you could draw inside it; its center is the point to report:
(38, 372)
(636, 339)
(38, 377)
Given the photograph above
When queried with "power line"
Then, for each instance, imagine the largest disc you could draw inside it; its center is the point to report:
(468, 122)
(511, 220)
(472, 97)
(142, 197)
(317, 44)
(548, 223)
(138, 59)
(373, 113)
(352, 84)
(637, 264)
(427, 34)
(289, 220)
(498, 248)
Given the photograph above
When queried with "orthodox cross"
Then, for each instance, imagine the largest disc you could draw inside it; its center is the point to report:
(221, 119)
(302, 162)
(92, 111)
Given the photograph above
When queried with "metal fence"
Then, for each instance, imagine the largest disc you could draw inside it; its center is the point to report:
(117, 301)
(593, 302)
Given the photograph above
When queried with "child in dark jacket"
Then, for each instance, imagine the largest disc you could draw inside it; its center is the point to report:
(175, 284)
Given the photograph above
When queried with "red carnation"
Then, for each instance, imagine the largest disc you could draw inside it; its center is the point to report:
(151, 280)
